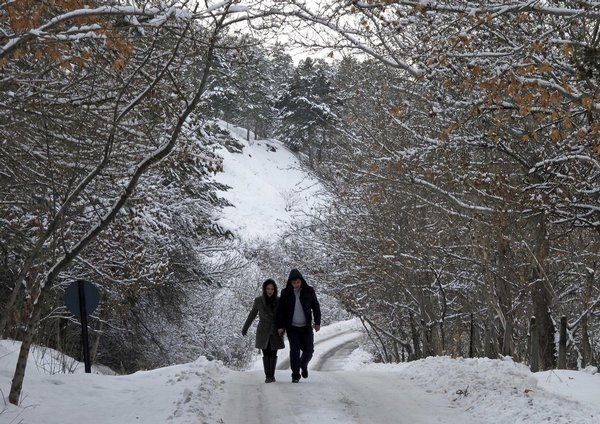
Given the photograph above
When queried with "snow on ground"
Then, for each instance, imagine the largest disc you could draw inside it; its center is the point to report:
(507, 392)
(341, 389)
(269, 189)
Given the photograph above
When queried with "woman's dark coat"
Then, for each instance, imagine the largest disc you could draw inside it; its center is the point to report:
(265, 331)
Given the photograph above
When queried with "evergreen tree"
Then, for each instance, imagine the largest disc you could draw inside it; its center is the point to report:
(247, 83)
(305, 109)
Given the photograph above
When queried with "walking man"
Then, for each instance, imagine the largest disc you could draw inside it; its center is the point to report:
(298, 305)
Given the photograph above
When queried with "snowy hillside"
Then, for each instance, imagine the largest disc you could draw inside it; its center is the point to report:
(269, 189)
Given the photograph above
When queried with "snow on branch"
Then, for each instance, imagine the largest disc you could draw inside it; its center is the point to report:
(454, 199)
(307, 15)
(154, 16)
(573, 326)
(588, 9)
(566, 158)
(42, 30)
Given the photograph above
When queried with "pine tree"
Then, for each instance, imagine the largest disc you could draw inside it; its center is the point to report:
(305, 109)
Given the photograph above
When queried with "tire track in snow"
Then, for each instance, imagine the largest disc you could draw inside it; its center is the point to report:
(327, 361)
(326, 352)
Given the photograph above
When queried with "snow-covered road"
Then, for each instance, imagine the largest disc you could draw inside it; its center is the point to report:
(334, 397)
(331, 394)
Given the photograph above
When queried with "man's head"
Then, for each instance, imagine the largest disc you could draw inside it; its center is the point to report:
(296, 283)
(295, 275)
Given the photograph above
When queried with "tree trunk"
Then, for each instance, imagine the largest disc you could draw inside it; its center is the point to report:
(9, 307)
(562, 344)
(586, 346)
(472, 338)
(415, 339)
(19, 376)
(489, 339)
(96, 343)
(507, 342)
(534, 346)
(431, 334)
(540, 294)
(385, 356)
(444, 308)
(27, 339)
(490, 342)
(425, 339)
(503, 289)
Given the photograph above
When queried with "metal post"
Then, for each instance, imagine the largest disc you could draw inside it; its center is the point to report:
(84, 327)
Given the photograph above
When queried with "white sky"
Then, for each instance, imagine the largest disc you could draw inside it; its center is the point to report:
(346, 388)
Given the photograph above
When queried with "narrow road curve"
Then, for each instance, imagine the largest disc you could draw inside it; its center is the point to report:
(331, 360)
(329, 351)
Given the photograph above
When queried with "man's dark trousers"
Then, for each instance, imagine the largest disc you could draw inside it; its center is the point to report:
(301, 339)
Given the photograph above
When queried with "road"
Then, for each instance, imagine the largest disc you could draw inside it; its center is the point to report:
(332, 394)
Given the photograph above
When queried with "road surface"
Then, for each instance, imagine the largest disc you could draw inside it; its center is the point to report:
(332, 394)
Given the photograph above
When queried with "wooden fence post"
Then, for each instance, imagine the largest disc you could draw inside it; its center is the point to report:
(562, 344)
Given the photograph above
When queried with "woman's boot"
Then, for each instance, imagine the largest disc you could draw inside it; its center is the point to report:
(273, 367)
(267, 368)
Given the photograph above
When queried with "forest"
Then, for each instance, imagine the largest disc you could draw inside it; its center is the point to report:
(459, 143)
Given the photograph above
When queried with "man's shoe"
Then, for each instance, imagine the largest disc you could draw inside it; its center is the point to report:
(269, 380)
(304, 372)
(295, 380)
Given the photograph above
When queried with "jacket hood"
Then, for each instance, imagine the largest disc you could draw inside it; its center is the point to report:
(294, 274)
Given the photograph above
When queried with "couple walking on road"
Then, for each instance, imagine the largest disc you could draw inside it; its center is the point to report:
(292, 313)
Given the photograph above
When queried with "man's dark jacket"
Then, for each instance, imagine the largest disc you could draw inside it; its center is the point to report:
(287, 301)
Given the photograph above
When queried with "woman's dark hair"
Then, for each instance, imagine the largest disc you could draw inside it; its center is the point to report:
(264, 290)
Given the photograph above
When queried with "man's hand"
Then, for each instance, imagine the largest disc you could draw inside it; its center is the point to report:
(280, 331)
(317, 327)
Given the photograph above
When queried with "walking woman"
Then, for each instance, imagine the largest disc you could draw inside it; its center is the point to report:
(267, 338)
